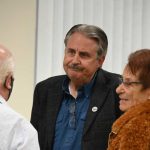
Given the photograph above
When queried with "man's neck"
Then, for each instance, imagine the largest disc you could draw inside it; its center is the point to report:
(73, 89)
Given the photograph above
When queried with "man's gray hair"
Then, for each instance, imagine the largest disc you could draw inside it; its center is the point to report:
(92, 32)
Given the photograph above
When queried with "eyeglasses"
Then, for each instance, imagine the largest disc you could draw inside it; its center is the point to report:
(129, 83)
(72, 116)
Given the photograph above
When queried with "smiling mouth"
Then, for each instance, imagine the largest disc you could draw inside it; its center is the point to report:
(123, 100)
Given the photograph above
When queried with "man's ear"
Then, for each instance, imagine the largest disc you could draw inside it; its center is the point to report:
(7, 83)
(101, 60)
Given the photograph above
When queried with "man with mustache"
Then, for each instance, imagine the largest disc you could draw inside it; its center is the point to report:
(75, 111)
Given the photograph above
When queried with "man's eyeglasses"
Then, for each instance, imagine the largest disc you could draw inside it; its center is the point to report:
(72, 116)
(129, 83)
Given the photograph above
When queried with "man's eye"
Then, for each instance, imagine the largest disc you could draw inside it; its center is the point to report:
(84, 55)
(71, 52)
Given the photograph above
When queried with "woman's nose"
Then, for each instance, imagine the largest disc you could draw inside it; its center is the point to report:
(119, 89)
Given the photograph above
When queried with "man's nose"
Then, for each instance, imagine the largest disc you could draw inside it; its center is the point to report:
(76, 58)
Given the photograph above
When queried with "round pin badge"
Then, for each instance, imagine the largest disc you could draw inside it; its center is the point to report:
(94, 109)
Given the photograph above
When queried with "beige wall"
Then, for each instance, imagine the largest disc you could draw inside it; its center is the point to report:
(17, 33)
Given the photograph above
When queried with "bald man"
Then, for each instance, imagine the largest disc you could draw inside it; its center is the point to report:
(16, 133)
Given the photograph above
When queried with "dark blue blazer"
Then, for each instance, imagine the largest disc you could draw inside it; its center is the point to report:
(48, 96)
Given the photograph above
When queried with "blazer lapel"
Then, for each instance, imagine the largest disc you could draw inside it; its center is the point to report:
(53, 104)
(99, 94)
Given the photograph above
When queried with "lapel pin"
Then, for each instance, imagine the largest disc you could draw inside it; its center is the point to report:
(94, 109)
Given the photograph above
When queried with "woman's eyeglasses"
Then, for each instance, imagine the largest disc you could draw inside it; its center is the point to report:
(129, 83)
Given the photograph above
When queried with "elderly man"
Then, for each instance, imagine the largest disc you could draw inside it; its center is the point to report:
(75, 111)
(15, 132)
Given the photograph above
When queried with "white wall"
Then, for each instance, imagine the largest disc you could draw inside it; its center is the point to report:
(17, 33)
(126, 22)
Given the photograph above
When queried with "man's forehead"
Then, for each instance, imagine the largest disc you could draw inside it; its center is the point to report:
(79, 50)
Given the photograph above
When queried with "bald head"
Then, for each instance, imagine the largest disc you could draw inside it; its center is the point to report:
(4, 52)
(6, 63)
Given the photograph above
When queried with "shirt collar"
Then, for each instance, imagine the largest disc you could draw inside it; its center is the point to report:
(2, 100)
(86, 89)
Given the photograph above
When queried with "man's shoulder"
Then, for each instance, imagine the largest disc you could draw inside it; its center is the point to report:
(9, 117)
(106, 78)
(110, 74)
(14, 127)
(52, 81)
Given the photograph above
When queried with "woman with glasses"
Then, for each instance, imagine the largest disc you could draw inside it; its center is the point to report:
(132, 130)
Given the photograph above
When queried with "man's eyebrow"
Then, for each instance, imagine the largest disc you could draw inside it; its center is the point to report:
(70, 48)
